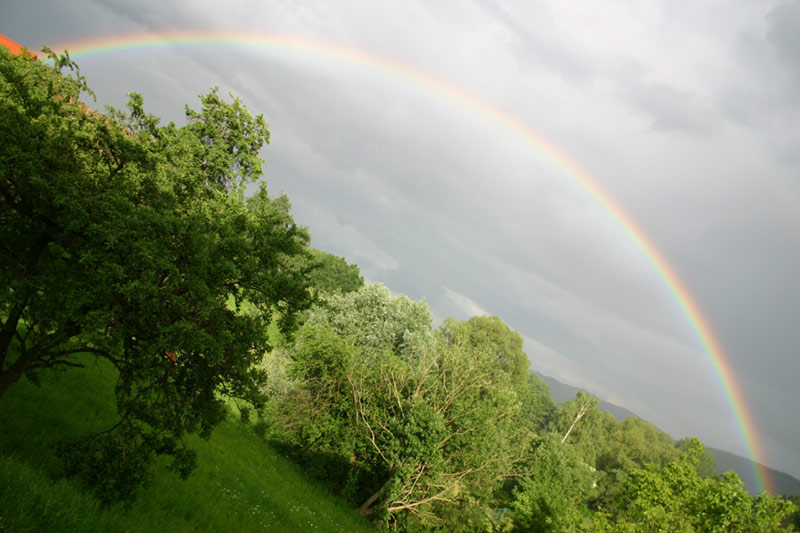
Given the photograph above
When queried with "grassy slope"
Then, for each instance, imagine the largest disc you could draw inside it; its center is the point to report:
(241, 484)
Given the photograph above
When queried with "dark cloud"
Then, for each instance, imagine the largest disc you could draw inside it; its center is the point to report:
(669, 108)
(765, 95)
(783, 34)
(534, 47)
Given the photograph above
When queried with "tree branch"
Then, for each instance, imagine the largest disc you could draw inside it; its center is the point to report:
(580, 415)
(12, 322)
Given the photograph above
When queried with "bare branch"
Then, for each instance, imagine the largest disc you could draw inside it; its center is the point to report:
(580, 415)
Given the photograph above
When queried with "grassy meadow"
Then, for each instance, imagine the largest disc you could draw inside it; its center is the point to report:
(240, 484)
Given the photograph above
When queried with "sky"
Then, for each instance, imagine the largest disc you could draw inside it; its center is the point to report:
(428, 160)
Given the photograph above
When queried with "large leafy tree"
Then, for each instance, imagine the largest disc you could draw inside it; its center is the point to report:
(345, 343)
(630, 444)
(375, 321)
(491, 335)
(425, 425)
(133, 242)
(444, 430)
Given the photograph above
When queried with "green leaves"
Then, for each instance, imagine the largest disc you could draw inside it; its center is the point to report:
(424, 424)
(376, 321)
(491, 335)
(675, 498)
(128, 240)
(553, 496)
(330, 273)
(225, 141)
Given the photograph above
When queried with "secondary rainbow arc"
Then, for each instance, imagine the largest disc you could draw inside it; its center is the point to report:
(677, 290)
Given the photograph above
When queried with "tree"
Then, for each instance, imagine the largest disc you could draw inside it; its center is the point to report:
(133, 242)
(559, 479)
(630, 444)
(554, 494)
(491, 335)
(612, 448)
(447, 436)
(676, 498)
(793, 520)
(330, 273)
(579, 422)
(424, 426)
(538, 406)
(375, 321)
(316, 414)
(706, 465)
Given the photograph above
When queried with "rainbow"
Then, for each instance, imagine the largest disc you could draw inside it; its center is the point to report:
(271, 44)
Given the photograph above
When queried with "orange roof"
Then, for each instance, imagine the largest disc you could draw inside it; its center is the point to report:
(14, 47)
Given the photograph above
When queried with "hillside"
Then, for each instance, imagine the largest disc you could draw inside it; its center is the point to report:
(241, 484)
(561, 392)
(784, 483)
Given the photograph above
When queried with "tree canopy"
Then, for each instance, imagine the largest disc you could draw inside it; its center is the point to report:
(330, 273)
(676, 498)
(424, 423)
(132, 241)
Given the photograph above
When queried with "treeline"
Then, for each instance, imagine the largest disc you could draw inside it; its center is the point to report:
(447, 428)
(136, 242)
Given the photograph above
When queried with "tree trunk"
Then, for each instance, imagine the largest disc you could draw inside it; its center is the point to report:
(17, 369)
(365, 507)
(14, 372)
(12, 322)
(580, 415)
(7, 333)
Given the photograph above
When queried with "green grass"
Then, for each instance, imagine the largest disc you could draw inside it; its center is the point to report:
(241, 483)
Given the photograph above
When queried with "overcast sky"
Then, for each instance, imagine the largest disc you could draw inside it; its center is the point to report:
(686, 113)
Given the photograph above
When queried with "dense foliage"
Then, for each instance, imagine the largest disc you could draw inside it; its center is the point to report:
(419, 420)
(448, 429)
(330, 273)
(676, 498)
(133, 242)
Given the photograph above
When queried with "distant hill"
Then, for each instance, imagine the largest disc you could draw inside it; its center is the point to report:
(784, 483)
(561, 392)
